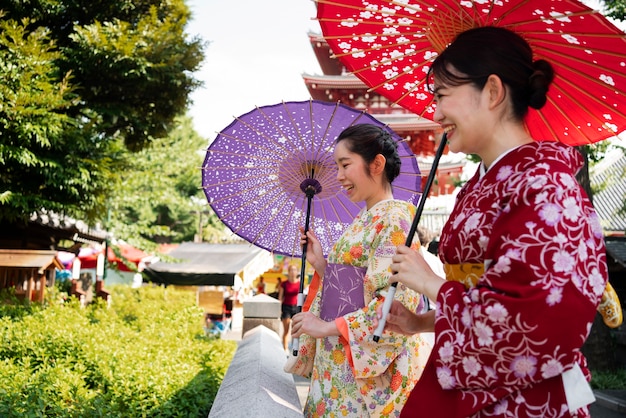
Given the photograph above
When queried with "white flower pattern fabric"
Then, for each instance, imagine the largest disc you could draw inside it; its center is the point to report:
(501, 346)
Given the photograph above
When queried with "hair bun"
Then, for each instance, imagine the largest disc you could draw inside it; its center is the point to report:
(390, 151)
(539, 83)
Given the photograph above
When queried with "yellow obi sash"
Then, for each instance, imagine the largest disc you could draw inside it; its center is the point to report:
(466, 273)
(469, 274)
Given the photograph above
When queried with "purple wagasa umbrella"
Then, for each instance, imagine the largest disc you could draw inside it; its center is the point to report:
(272, 170)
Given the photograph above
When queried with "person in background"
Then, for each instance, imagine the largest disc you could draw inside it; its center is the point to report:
(288, 297)
(523, 248)
(352, 375)
(260, 287)
(426, 236)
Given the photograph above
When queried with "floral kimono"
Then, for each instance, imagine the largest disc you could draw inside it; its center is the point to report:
(352, 375)
(526, 267)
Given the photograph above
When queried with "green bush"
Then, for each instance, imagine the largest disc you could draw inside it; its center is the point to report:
(145, 356)
(612, 380)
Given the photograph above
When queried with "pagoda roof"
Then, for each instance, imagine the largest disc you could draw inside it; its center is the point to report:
(317, 37)
(328, 63)
(336, 78)
(406, 121)
(334, 81)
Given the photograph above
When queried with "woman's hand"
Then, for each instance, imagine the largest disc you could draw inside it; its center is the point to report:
(314, 254)
(307, 323)
(410, 267)
(403, 321)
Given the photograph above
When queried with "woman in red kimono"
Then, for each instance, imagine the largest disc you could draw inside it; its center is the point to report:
(523, 249)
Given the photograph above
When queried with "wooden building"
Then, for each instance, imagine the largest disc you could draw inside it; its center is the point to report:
(28, 271)
(28, 251)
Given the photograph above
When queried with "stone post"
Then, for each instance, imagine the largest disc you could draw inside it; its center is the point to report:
(261, 310)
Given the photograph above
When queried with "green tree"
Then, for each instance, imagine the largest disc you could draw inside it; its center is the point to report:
(159, 198)
(38, 162)
(615, 9)
(112, 76)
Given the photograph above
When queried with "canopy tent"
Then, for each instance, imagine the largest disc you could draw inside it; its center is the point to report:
(88, 257)
(205, 264)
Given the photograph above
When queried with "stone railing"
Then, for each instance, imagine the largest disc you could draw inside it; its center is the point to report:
(255, 383)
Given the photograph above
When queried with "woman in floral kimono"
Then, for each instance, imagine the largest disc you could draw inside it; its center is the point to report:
(352, 375)
(523, 249)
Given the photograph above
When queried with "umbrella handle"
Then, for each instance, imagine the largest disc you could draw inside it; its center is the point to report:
(310, 188)
(295, 342)
(386, 307)
(378, 332)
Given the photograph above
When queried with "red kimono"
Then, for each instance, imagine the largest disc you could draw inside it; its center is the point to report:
(508, 344)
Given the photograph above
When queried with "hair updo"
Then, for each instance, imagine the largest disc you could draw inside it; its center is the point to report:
(370, 140)
(477, 53)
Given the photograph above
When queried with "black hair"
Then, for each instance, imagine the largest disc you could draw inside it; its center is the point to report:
(368, 141)
(477, 53)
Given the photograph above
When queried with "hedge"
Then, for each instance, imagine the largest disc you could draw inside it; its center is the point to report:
(144, 356)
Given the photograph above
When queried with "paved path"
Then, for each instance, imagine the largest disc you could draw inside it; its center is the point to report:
(609, 404)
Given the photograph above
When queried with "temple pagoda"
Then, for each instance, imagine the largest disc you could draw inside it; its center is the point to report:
(338, 85)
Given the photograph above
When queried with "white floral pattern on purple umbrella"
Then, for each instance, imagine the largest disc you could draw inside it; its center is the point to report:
(254, 172)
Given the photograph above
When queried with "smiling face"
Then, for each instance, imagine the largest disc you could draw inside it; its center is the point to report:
(477, 120)
(459, 111)
(356, 178)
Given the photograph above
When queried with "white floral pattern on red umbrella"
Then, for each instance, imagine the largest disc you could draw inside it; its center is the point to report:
(390, 45)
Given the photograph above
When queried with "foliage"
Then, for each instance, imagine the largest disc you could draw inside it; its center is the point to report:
(81, 87)
(159, 198)
(596, 152)
(615, 9)
(35, 154)
(133, 71)
(13, 307)
(130, 60)
(609, 379)
(146, 355)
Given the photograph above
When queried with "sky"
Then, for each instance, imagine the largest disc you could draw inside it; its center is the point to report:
(256, 55)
